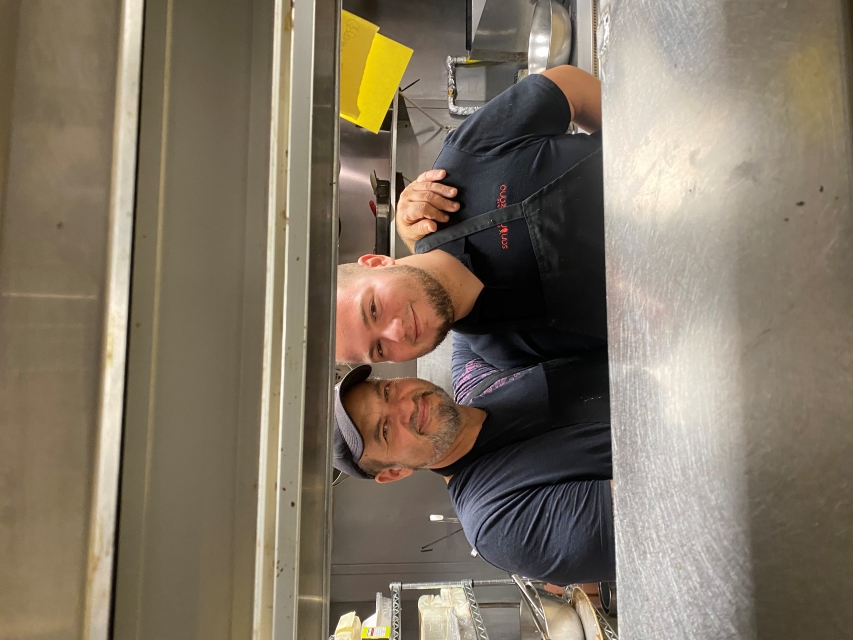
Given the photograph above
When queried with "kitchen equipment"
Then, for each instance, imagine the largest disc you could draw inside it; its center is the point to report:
(499, 29)
(545, 616)
(441, 518)
(451, 63)
(446, 616)
(550, 36)
(598, 629)
(428, 547)
(607, 593)
(382, 191)
(586, 611)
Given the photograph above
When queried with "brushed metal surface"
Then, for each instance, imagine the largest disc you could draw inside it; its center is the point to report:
(504, 27)
(727, 143)
(315, 543)
(584, 48)
(361, 153)
(271, 408)
(396, 105)
(116, 316)
(310, 205)
(68, 83)
(190, 466)
(550, 36)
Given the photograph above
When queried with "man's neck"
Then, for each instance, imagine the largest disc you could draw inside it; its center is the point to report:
(472, 422)
(462, 286)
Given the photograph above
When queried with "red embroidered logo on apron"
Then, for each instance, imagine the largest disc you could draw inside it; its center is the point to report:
(500, 203)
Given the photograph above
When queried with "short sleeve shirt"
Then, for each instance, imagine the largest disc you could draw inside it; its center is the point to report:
(533, 494)
(525, 402)
(542, 508)
(502, 154)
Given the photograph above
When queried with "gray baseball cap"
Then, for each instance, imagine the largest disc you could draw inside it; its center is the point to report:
(349, 445)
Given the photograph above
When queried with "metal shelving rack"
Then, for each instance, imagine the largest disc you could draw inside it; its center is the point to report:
(467, 586)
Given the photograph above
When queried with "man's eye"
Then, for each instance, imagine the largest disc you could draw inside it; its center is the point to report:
(379, 350)
(386, 392)
(373, 309)
(385, 432)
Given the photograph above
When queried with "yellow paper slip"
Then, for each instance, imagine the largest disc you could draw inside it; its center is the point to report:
(371, 69)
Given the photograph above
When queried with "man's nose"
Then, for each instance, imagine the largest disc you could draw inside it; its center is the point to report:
(404, 409)
(394, 330)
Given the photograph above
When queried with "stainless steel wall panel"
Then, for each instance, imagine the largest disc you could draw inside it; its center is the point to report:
(315, 547)
(504, 27)
(9, 16)
(251, 564)
(308, 200)
(189, 499)
(115, 315)
(362, 152)
(69, 82)
(729, 224)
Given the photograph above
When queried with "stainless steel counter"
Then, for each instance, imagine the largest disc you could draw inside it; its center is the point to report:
(730, 294)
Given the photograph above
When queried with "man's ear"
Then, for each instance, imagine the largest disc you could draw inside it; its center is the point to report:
(392, 475)
(372, 261)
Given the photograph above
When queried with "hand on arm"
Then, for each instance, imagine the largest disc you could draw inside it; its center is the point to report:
(422, 205)
(583, 91)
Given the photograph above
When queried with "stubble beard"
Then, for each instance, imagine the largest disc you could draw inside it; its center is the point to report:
(448, 416)
(437, 298)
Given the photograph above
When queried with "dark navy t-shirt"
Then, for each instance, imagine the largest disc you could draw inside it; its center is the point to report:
(542, 508)
(533, 494)
(525, 402)
(502, 154)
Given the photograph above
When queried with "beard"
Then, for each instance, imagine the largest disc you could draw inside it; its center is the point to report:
(437, 298)
(449, 420)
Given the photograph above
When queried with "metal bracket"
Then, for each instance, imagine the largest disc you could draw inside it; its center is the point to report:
(396, 611)
(479, 626)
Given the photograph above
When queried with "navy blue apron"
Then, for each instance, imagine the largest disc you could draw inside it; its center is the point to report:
(565, 220)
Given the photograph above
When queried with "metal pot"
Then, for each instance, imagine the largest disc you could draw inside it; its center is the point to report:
(550, 41)
(545, 616)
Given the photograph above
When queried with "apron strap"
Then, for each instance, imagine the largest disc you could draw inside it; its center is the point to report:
(461, 230)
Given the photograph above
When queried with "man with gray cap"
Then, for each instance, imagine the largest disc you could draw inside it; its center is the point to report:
(525, 452)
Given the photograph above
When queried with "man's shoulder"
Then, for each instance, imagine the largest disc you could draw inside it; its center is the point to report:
(478, 490)
(567, 452)
(487, 492)
(512, 117)
(497, 475)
